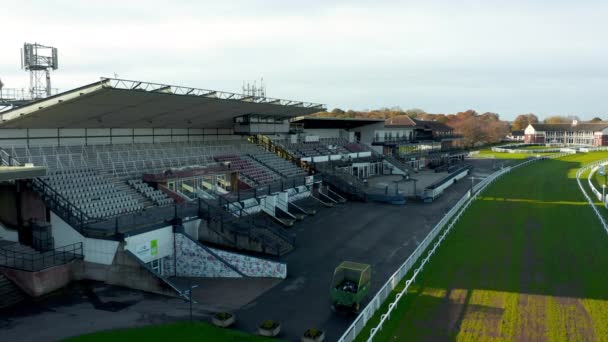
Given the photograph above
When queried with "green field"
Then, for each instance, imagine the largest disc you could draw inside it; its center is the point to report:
(175, 332)
(527, 262)
(488, 153)
(539, 147)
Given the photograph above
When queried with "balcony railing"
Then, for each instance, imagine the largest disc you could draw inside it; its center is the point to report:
(38, 261)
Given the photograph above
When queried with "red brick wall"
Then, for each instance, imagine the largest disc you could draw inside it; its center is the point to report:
(534, 139)
(40, 283)
(600, 140)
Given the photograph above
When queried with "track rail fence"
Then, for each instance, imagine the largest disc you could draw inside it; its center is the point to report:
(421, 256)
(594, 167)
(580, 185)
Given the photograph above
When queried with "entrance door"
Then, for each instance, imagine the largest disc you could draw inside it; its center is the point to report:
(156, 266)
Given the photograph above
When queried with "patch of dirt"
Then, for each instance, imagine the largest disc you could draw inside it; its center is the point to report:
(456, 300)
(449, 313)
(578, 322)
(532, 309)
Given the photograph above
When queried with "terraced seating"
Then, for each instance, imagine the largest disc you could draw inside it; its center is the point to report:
(278, 164)
(92, 192)
(322, 148)
(247, 167)
(354, 148)
(94, 178)
(156, 196)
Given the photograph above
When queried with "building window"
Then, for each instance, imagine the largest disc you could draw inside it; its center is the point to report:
(156, 266)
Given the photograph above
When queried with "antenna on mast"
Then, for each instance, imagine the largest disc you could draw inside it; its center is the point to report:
(254, 90)
(39, 60)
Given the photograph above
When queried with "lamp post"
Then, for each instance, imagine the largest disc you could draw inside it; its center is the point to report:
(473, 178)
(189, 294)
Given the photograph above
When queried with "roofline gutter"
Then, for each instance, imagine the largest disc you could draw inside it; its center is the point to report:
(50, 101)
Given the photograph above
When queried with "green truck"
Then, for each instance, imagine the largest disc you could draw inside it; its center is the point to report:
(350, 285)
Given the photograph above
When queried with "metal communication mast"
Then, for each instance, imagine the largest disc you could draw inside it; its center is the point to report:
(253, 89)
(39, 60)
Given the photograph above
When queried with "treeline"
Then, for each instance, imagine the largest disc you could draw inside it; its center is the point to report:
(522, 121)
(476, 129)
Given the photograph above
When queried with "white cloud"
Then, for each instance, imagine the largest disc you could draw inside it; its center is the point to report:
(442, 56)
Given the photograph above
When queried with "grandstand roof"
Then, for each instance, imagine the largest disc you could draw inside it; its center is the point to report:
(435, 126)
(319, 122)
(583, 126)
(11, 173)
(400, 122)
(116, 103)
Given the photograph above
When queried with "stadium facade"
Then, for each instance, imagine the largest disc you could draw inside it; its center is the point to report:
(575, 133)
(138, 184)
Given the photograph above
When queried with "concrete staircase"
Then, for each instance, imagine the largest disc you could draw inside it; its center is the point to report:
(282, 247)
(398, 163)
(120, 183)
(10, 294)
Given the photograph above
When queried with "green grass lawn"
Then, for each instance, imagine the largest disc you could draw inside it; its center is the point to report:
(488, 153)
(174, 332)
(538, 147)
(527, 261)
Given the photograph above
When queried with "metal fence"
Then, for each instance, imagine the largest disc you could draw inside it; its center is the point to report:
(594, 167)
(37, 261)
(432, 241)
(580, 185)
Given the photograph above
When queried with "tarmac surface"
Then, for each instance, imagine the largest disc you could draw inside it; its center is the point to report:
(379, 234)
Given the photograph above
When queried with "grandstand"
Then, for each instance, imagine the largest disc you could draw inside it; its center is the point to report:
(148, 185)
(142, 165)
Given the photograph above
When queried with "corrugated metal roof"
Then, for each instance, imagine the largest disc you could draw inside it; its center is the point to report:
(113, 103)
(567, 127)
(432, 125)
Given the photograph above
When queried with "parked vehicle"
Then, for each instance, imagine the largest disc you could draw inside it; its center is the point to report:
(350, 285)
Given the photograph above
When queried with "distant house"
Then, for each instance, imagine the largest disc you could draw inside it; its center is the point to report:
(432, 130)
(516, 135)
(575, 133)
(399, 129)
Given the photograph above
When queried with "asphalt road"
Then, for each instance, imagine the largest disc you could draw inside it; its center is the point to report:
(378, 234)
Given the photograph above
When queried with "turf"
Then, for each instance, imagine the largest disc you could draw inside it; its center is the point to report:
(182, 332)
(488, 153)
(526, 262)
(540, 147)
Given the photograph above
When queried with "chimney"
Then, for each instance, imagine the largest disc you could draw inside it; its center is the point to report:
(574, 122)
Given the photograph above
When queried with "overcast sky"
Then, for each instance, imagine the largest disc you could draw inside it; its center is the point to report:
(510, 57)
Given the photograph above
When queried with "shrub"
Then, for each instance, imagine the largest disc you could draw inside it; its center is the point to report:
(269, 324)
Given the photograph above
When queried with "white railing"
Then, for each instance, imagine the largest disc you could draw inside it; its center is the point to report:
(450, 220)
(580, 185)
(594, 167)
(5, 158)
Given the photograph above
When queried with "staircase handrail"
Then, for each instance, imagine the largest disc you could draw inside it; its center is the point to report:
(54, 198)
(63, 254)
